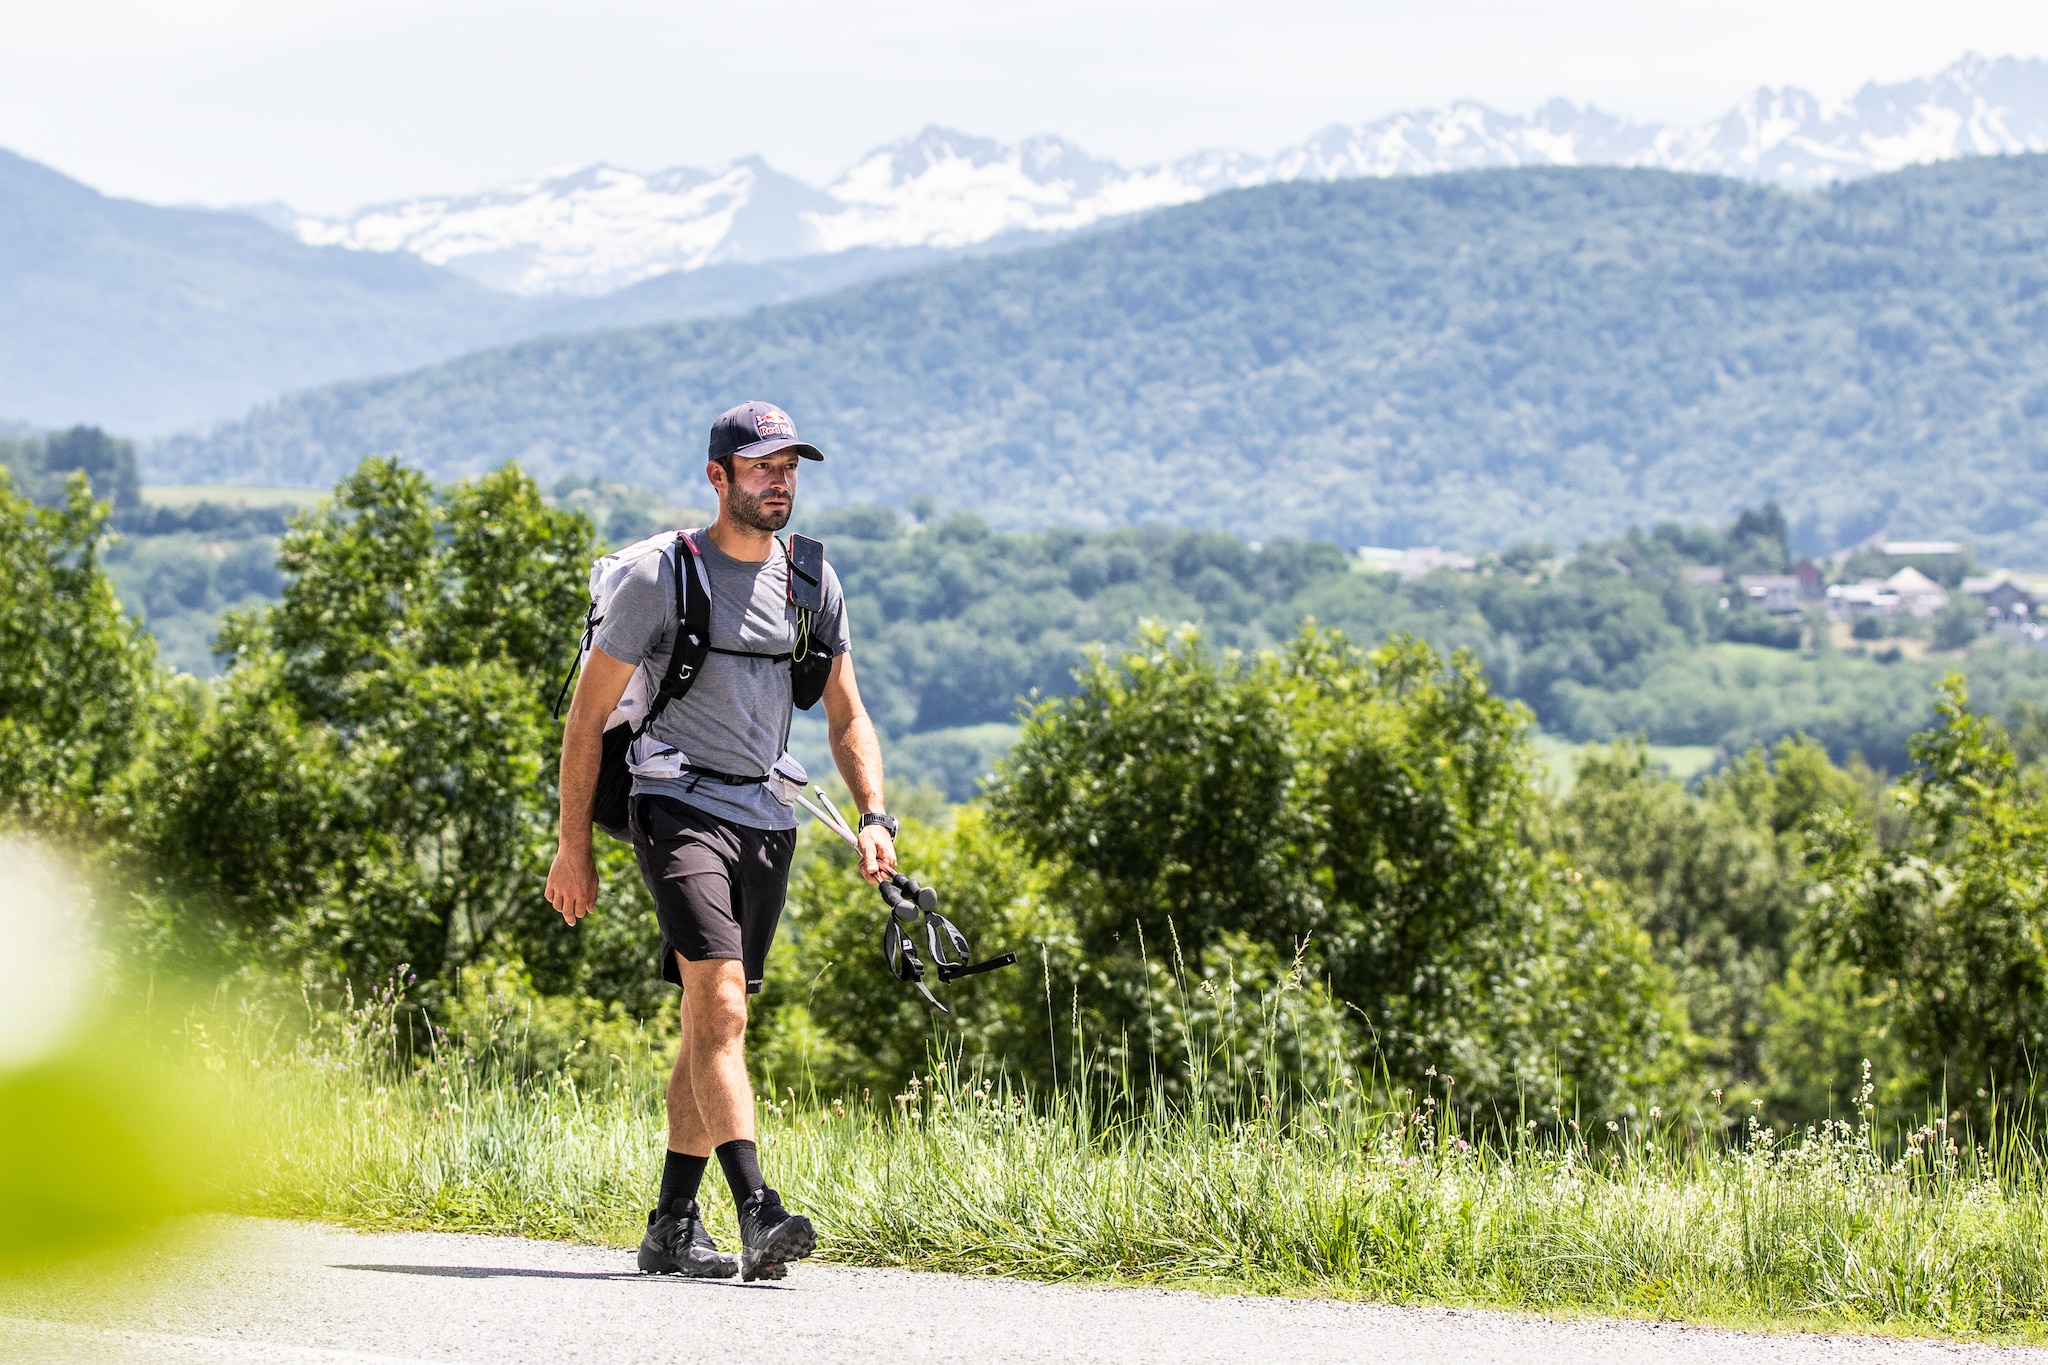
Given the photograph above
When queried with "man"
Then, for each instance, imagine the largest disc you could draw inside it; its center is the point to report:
(713, 840)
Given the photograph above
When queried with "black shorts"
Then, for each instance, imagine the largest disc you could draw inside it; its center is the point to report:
(718, 887)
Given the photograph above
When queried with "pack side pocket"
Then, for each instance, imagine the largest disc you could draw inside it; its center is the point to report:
(807, 678)
(787, 779)
(649, 757)
(610, 803)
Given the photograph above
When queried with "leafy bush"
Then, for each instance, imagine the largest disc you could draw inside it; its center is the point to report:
(75, 673)
(1756, 628)
(833, 1015)
(1362, 814)
(1950, 922)
(369, 790)
(1716, 876)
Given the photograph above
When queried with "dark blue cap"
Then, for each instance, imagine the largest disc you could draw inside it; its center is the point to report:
(757, 430)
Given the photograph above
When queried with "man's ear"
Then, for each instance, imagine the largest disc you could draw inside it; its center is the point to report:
(715, 472)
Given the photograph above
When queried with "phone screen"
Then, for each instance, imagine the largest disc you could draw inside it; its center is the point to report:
(807, 573)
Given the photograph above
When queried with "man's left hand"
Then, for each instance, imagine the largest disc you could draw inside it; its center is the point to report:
(877, 853)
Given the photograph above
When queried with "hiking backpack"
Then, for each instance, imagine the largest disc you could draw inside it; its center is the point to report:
(628, 749)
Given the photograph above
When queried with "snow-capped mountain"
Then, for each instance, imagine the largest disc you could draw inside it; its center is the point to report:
(943, 188)
(596, 228)
(593, 229)
(1976, 107)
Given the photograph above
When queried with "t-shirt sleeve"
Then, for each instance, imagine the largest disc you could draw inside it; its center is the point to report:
(830, 627)
(638, 617)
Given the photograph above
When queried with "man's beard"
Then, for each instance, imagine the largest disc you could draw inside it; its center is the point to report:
(749, 511)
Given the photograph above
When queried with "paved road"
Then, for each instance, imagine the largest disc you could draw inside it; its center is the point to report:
(298, 1294)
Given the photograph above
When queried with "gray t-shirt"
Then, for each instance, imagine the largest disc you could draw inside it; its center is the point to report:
(735, 717)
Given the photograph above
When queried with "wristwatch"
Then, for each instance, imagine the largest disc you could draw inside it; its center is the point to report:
(887, 822)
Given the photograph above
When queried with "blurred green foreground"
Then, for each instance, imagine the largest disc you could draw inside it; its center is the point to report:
(1696, 1213)
(101, 1139)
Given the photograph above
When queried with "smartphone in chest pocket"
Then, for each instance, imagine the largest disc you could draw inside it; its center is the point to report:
(807, 573)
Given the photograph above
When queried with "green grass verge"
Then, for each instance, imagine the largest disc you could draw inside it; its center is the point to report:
(1350, 1197)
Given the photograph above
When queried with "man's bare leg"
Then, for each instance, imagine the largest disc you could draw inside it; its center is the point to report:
(686, 1132)
(714, 1063)
(677, 1242)
(709, 1091)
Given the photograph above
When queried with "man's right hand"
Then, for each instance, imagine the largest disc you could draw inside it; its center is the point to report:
(572, 883)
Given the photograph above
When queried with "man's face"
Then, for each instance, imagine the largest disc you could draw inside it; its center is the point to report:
(762, 493)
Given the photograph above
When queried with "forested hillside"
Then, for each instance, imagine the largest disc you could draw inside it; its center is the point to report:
(1461, 359)
(954, 624)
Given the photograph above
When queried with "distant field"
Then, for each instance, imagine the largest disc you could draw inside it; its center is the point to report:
(227, 495)
(1559, 758)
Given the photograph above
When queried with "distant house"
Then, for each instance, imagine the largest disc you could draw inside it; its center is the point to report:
(1848, 601)
(1921, 549)
(1918, 594)
(1415, 562)
(1704, 574)
(1772, 591)
(2003, 597)
(1809, 576)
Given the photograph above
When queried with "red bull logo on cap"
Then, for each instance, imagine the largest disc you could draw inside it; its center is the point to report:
(774, 424)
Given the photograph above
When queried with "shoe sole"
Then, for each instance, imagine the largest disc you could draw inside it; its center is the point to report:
(724, 1268)
(793, 1240)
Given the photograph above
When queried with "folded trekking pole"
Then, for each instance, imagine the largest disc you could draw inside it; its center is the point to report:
(907, 902)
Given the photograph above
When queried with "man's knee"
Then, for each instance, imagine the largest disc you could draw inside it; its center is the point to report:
(714, 1002)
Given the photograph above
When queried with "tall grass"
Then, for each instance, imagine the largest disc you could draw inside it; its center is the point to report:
(1683, 1216)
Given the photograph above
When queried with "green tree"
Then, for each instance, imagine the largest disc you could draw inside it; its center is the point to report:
(1950, 923)
(75, 673)
(371, 785)
(1364, 814)
(43, 466)
(1958, 623)
(1715, 875)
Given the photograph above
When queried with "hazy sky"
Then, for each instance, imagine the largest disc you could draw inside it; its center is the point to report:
(334, 103)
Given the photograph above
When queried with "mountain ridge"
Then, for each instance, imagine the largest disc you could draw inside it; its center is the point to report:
(1465, 360)
(101, 292)
(146, 319)
(595, 228)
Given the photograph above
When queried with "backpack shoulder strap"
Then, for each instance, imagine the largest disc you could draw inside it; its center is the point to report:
(591, 620)
(693, 632)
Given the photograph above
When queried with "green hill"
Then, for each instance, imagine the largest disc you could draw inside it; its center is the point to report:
(1460, 359)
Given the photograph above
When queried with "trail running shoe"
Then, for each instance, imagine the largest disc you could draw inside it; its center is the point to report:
(771, 1237)
(677, 1244)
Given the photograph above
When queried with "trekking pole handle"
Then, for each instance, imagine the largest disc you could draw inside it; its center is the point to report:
(903, 908)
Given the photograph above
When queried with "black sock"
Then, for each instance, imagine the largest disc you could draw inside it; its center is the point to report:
(680, 1177)
(742, 1168)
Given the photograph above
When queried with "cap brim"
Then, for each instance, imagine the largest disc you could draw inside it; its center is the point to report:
(761, 450)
